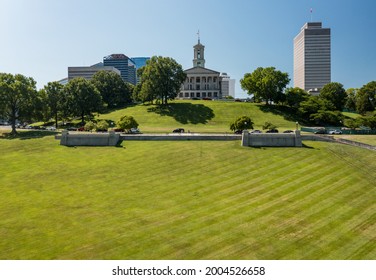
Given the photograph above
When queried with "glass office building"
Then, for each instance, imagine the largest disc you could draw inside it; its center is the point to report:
(124, 64)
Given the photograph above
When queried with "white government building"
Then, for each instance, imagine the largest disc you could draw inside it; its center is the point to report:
(204, 83)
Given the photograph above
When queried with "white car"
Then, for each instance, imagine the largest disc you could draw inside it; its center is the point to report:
(52, 128)
(336, 131)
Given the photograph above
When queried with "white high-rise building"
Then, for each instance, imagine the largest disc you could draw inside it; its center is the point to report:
(312, 62)
(228, 86)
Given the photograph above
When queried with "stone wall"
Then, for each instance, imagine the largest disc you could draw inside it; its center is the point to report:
(89, 139)
(272, 139)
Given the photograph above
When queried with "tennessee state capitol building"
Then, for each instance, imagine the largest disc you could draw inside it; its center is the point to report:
(202, 82)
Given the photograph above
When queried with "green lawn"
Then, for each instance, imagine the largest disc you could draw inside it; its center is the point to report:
(202, 116)
(186, 200)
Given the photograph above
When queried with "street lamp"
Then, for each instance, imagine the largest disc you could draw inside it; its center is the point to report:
(297, 125)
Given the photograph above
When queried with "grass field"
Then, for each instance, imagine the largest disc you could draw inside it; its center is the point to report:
(202, 116)
(186, 200)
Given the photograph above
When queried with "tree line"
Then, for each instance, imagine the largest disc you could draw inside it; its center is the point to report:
(269, 85)
(160, 81)
(21, 101)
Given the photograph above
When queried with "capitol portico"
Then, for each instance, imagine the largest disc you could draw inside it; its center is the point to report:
(201, 82)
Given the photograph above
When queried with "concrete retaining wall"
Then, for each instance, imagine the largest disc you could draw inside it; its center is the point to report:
(272, 139)
(180, 137)
(89, 139)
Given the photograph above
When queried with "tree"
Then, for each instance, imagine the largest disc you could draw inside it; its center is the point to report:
(334, 93)
(82, 98)
(55, 99)
(369, 121)
(327, 117)
(126, 123)
(17, 96)
(114, 91)
(366, 98)
(242, 123)
(351, 99)
(161, 79)
(268, 125)
(313, 104)
(102, 126)
(266, 84)
(294, 96)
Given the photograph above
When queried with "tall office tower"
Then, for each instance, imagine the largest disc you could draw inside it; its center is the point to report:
(312, 57)
(124, 64)
(139, 62)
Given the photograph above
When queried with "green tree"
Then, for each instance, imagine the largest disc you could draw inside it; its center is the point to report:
(266, 84)
(334, 93)
(241, 123)
(366, 98)
(351, 99)
(17, 97)
(55, 99)
(268, 125)
(126, 123)
(294, 96)
(83, 98)
(89, 126)
(114, 91)
(313, 104)
(351, 123)
(161, 79)
(369, 121)
(327, 117)
(102, 126)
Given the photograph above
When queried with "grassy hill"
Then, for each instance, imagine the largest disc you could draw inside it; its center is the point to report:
(202, 116)
(186, 200)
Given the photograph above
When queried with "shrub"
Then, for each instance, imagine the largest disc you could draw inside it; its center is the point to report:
(241, 123)
(269, 125)
(102, 126)
(89, 126)
(126, 123)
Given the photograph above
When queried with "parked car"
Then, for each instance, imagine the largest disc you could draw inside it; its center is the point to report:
(256, 131)
(335, 131)
(238, 131)
(71, 128)
(134, 130)
(51, 128)
(320, 132)
(288, 131)
(178, 130)
(272, 131)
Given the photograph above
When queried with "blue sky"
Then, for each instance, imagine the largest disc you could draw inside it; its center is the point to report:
(42, 38)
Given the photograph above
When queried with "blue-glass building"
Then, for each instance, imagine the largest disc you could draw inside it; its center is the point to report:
(124, 64)
(140, 62)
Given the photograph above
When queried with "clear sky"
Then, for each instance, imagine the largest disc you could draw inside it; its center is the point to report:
(41, 38)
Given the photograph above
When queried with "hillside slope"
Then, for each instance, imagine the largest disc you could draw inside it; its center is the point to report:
(200, 116)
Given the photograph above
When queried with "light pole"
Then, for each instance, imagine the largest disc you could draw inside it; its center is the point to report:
(297, 125)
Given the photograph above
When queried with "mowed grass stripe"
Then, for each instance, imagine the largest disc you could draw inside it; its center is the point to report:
(184, 200)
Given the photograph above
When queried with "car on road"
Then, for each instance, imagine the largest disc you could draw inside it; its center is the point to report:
(256, 131)
(272, 131)
(178, 130)
(134, 130)
(51, 128)
(288, 131)
(321, 131)
(238, 131)
(335, 131)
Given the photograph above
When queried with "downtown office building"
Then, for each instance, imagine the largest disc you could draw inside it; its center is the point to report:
(124, 64)
(312, 60)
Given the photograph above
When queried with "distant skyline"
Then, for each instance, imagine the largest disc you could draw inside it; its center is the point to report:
(41, 39)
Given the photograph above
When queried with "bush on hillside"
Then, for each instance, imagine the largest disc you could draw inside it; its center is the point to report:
(126, 123)
(242, 123)
(102, 126)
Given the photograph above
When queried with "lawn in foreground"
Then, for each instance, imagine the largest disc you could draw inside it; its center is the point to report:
(186, 200)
